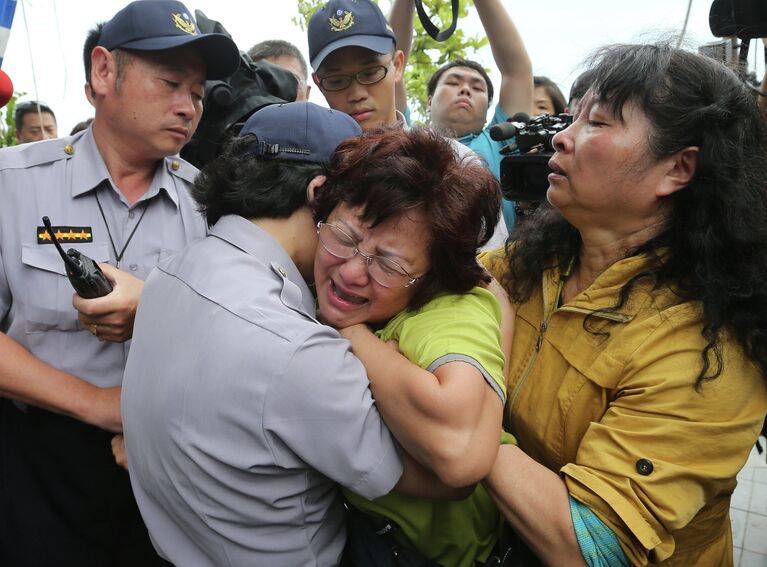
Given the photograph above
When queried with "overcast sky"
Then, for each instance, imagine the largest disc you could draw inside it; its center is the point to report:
(558, 35)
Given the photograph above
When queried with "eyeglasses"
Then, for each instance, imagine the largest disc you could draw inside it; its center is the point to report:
(369, 76)
(386, 272)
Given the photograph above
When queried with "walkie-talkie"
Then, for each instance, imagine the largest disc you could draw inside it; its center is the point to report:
(84, 274)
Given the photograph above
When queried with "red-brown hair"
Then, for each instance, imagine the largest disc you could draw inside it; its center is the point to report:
(388, 172)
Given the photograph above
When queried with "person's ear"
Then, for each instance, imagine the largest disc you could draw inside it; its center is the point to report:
(428, 105)
(682, 168)
(316, 81)
(314, 185)
(103, 71)
(399, 65)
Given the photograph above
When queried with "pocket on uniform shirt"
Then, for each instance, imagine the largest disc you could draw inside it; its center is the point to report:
(48, 295)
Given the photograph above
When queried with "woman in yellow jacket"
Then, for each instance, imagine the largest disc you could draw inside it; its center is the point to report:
(638, 378)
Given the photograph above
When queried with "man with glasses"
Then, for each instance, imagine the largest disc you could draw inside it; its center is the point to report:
(359, 70)
(355, 60)
(34, 122)
(241, 411)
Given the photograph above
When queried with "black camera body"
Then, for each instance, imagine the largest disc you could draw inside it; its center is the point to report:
(525, 169)
(229, 102)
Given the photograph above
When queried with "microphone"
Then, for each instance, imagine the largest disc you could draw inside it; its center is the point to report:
(506, 130)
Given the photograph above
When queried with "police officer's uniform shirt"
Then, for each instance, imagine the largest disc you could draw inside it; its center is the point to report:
(60, 179)
(241, 411)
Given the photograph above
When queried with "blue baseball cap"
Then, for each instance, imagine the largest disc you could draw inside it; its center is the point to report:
(341, 23)
(155, 25)
(298, 131)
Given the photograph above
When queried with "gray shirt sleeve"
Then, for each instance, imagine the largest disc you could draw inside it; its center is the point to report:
(322, 411)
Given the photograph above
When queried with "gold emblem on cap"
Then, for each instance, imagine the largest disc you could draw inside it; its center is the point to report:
(341, 21)
(174, 165)
(184, 23)
(69, 149)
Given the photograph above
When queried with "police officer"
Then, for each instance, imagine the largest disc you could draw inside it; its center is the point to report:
(359, 71)
(117, 193)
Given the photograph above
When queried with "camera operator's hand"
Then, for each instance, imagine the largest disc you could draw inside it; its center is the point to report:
(110, 318)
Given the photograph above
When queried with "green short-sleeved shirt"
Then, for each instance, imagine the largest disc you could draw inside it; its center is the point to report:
(449, 328)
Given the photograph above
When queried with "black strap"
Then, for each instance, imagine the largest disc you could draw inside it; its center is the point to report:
(109, 232)
(430, 28)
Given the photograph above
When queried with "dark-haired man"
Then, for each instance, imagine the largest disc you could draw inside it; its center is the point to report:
(285, 55)
(358, 67)
(460, 92)
(235, 452)
(118, 193)
(34, 122)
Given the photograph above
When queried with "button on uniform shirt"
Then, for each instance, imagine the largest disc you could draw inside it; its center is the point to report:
(61, 179)
(241, 411)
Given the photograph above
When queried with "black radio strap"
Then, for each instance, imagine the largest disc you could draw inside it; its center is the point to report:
(120, 255)
(430, 28)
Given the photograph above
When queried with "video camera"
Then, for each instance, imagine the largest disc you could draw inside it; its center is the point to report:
(525, 169)
(230, 102)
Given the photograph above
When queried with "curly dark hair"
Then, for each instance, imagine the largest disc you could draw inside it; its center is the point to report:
(388, 172)
(238, 183)
(714, 240)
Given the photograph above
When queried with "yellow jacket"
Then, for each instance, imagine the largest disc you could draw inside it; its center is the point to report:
(620, 420)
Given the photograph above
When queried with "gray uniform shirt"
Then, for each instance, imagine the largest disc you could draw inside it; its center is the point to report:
(60, 179)
(241, 411)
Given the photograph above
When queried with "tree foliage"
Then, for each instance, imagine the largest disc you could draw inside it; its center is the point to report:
(7, 125)
(427, 54)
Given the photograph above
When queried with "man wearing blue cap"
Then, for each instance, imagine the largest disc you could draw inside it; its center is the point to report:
(359, 69)
(118, 193)
(356, 63)
(241, 410)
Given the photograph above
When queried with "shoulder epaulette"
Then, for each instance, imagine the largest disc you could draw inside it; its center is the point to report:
(181, 168)
(33, 154)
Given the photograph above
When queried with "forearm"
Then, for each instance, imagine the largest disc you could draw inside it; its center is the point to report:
(510, 56)
(401, 22)
(450, 424)
(25, 378)
(535, 501)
